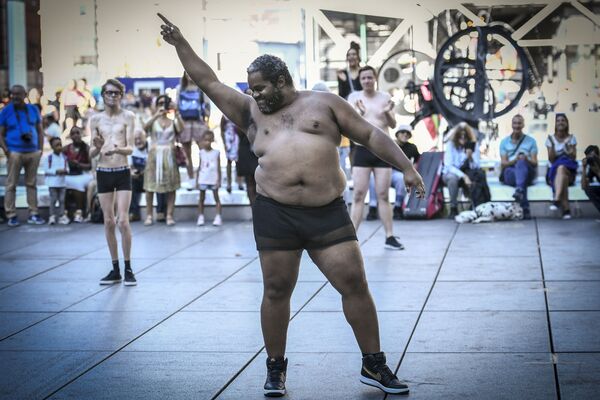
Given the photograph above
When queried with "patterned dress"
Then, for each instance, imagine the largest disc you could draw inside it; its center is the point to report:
(162, 174)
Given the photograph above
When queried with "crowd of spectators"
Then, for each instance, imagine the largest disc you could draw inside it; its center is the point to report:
(32, 124)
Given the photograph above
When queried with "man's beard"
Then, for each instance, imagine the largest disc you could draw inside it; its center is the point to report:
(272, 103)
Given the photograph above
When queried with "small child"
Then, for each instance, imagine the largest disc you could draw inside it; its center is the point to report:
(209, 176)
(56, 167)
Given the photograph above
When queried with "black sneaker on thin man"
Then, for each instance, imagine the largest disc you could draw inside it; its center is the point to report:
(393, 244)
(129, 278)
(276, 371)
(376, 373)
(114, 276)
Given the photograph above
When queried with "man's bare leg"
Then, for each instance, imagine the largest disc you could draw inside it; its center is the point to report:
(123, 202)
(280, 273)
(360, 177)
(383, 180)
(107, 204)
(342, 265)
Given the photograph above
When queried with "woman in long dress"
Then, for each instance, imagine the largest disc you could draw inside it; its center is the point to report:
(162, 174)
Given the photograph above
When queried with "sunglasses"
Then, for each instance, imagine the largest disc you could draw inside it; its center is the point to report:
(113, 93)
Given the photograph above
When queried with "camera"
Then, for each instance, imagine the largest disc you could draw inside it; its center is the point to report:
(27, 137)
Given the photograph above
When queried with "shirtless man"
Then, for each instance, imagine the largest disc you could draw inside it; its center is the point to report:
(112, 138)
(377, 108)
(299, 204)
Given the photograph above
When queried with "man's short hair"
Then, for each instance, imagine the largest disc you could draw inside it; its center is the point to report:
(113, 82)
(367, 68)
(271, 68)
(21, 88)
(54, 139)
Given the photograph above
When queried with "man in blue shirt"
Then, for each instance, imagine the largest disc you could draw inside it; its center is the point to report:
(518, 154)
(21, 139)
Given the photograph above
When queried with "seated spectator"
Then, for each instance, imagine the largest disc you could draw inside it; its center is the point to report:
(590, 177)
(461, 153)
(80, 176)
(562, 153)
(518, 153)
(138, 164)
(403, 135)
(55, 168)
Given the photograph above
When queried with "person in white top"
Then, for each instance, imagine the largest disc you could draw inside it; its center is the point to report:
(209, 177)
(562, 153)
(377, 108)
(56, 167)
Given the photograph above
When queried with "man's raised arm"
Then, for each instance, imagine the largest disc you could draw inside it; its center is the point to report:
(235, 105)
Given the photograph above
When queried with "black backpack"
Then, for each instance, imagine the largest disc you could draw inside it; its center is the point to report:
(96, 214)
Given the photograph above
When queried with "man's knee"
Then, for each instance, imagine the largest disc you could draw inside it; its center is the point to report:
(383, 195)
(123, 224)
(359, 194)
(352, 284)
(109, 222)
(277, 290)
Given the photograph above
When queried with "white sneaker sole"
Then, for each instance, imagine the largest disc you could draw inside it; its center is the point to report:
(274, 393)
(130, 283)
(389, 247)
(374, 383)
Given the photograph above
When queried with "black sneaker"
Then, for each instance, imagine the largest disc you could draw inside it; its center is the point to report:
(275, 383)
(376, 373)
(393, 244)
(129, 278)
(453, 212)
(114, 276)
(518, 195)
(372, 214)
(526, 214)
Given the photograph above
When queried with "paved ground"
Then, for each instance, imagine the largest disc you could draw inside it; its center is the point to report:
(496, 311)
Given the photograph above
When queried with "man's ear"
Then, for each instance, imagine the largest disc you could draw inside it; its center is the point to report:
(280, 82)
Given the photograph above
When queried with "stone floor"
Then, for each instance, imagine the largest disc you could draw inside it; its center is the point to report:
(494, 311)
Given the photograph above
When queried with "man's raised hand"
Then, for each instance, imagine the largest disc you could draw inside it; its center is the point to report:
(170, 33)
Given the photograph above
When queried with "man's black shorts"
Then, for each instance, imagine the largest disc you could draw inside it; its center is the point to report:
(364, 158)
(283, 227)
(111, 179)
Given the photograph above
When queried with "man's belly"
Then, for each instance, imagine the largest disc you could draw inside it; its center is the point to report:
(302, 185)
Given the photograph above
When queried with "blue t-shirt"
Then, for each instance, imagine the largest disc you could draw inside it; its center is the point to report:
(528, 147)
(16, 126)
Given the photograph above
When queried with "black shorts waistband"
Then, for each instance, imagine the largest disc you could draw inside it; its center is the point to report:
(275, 202)
(113, 169)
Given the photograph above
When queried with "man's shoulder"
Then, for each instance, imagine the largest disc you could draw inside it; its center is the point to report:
(383, 95)
(128, 114)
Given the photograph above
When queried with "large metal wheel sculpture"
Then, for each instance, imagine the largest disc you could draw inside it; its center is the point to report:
(480, 73)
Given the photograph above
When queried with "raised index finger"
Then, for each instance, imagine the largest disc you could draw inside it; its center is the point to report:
(165, 20)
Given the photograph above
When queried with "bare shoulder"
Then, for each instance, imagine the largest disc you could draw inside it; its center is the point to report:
(384, 95)
(128, 115)
(321, 99)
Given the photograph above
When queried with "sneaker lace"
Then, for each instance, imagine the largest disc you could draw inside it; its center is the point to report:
(386, 374)
(275, 374)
